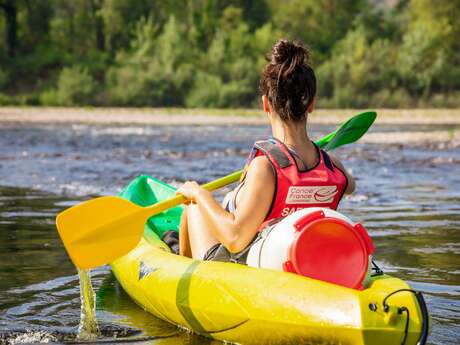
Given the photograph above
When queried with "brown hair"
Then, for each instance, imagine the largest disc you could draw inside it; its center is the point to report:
(288, 80)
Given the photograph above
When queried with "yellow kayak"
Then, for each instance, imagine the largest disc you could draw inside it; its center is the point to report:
(241, 304)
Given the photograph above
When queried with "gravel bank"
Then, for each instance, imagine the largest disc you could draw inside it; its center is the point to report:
(154, 116)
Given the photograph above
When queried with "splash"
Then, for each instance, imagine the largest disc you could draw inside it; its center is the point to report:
(88, 329)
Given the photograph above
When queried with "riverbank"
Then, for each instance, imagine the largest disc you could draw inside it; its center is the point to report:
(180, 116)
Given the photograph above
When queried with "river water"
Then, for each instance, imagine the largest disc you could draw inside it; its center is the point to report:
(408, 197)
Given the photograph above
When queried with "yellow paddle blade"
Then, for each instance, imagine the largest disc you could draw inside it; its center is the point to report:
(98, 231)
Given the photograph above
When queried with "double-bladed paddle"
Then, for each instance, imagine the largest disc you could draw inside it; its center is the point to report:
(100, 230)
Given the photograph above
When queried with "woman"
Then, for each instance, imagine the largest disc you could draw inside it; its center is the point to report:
(283, 174)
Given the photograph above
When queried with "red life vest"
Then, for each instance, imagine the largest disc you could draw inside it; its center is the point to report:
(320, 186)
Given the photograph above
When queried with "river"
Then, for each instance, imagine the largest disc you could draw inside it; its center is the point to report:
(408, 197)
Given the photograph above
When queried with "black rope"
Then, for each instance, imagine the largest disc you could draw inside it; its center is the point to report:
(423, 309)
(406, 328)
(376, 269)
(386, 307)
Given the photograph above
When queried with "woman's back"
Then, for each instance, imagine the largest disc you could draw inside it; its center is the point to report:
(285, 173)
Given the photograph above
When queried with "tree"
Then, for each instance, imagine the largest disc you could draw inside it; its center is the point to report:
(36, 24)
(429, 44)
(98, 23)
(319, 23)
(10, 11)
(358, 69)
(156, 67)
(210, 52)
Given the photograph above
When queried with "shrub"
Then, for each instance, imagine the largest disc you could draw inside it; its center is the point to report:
(381, 99)
(75, 87)
(205, 92)
(401, 98)
(48, 97)
(156, 68)
(6, 100)
(453, 100)
(4, 78)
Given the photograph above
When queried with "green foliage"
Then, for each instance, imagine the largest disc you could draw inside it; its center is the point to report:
(75, 86)
(227, 76)
(320, 23)
(5, 99)
(43, 57)
(154, 71)
(3, 78)
(427, 44)
(208, 53)
(356, 69)
(206, 91)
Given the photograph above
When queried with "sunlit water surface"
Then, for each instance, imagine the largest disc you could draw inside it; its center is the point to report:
(408, 197)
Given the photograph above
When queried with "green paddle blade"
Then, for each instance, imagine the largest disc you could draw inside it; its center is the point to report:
(349, 132)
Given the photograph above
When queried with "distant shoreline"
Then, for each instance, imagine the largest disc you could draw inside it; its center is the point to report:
(182, 116)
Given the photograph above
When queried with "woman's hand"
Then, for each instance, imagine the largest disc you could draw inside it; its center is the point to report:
(190, 190)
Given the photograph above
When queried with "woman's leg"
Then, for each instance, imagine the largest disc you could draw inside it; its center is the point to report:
(184, 242)
(199, 235)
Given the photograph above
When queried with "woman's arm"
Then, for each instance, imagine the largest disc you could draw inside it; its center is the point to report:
(236, 230)
(351, 180)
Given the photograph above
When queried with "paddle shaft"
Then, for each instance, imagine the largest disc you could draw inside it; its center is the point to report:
(94, 232)
(179, 199)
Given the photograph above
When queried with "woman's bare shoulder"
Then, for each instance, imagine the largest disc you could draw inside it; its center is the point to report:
(260, 168)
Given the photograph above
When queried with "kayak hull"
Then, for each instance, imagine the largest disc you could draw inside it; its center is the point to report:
(241, 304)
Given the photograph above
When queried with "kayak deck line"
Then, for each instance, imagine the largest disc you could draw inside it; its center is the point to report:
(183, 300)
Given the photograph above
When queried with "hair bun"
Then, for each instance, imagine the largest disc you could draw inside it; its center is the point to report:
(288, 80)
(287, 52)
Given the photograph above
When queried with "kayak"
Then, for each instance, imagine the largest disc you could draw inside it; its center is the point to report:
(241, 304)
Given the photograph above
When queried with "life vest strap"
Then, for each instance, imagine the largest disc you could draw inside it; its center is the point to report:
(273, 152)
(327, 161)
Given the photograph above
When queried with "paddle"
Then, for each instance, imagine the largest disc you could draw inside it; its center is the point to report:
(99, 231)
(349, 132)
